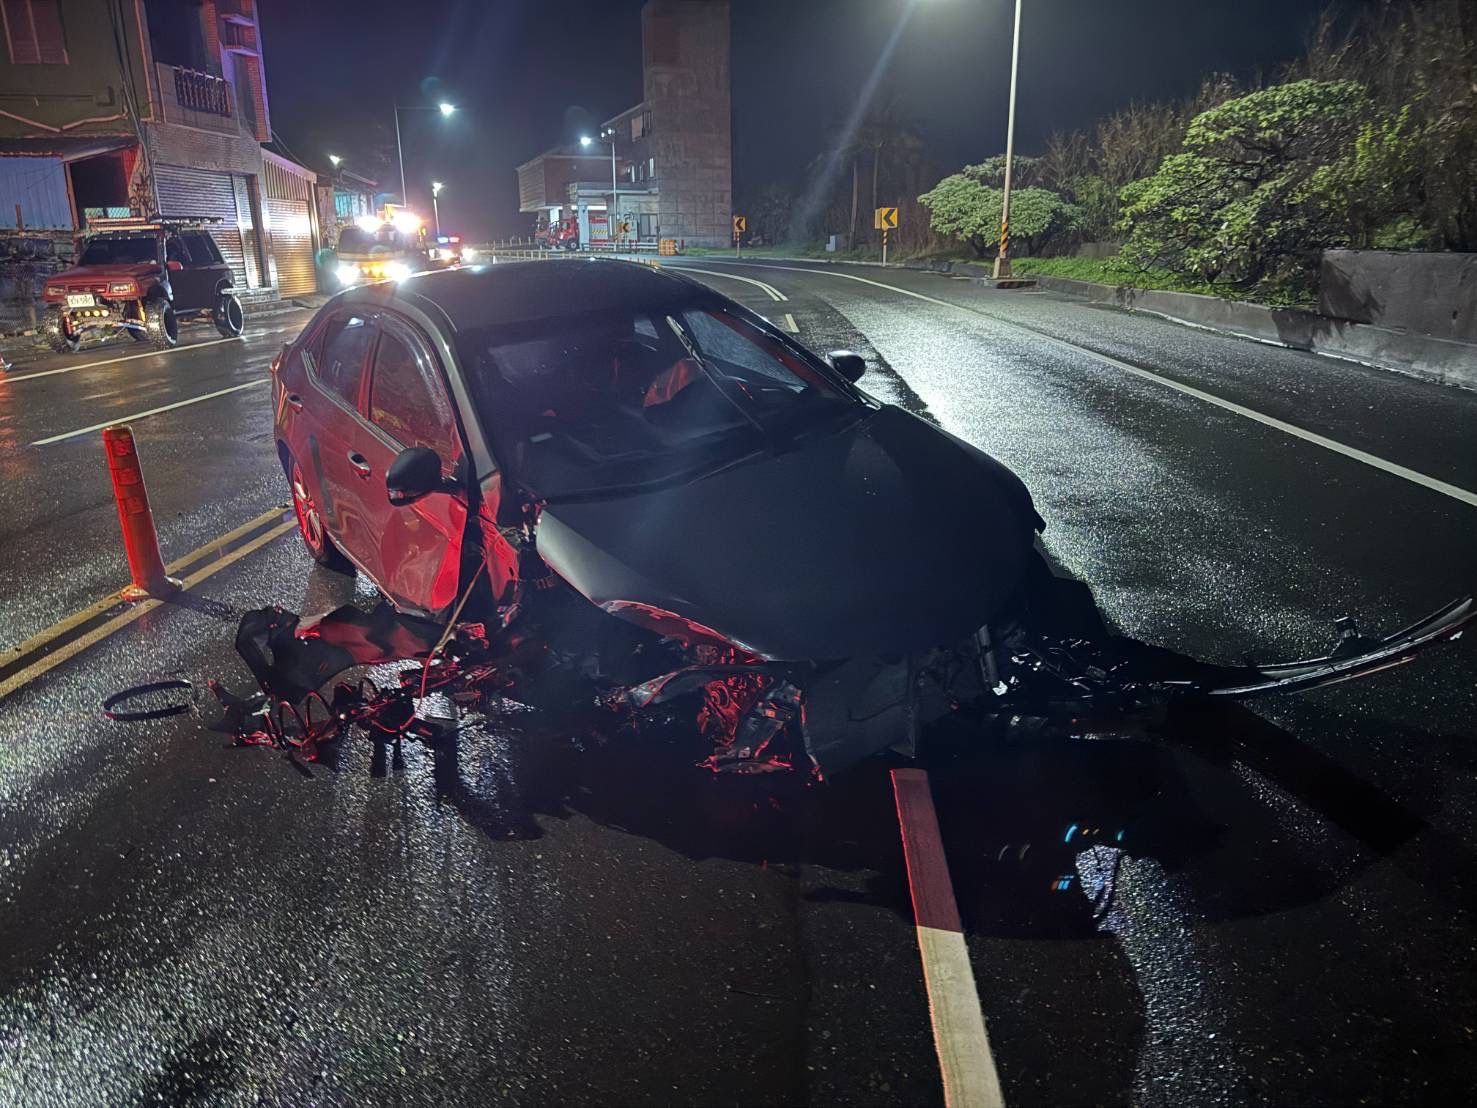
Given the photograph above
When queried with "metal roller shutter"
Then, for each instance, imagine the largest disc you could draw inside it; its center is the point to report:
(292, 245)
(185, 192)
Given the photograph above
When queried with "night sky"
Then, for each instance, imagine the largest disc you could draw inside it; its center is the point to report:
(528, 74)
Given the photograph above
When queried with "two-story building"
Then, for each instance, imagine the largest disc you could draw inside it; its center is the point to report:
(673, 151)
(150, 107)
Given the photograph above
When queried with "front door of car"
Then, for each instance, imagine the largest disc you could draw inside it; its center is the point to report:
(417, 547)
(333, 420)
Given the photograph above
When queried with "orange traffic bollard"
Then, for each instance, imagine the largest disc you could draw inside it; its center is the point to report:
(140, 542)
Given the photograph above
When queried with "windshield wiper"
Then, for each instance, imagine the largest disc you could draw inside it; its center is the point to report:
(718, 380)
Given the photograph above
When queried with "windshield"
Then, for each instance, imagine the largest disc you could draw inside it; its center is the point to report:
(387, 240)
(611, 400)
(132, 250)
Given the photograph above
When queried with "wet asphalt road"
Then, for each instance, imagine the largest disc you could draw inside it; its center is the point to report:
(1286, 918)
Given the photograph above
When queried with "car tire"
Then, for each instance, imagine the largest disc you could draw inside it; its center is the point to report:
(228, 316)
(310, 524)
(160, 324)
(55, 331)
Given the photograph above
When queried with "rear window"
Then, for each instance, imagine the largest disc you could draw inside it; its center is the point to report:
(123, 250)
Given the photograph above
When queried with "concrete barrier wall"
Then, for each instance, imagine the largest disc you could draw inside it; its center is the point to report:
(1423, 293)
(1448, 361)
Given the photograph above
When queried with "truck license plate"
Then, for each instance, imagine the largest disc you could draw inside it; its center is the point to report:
(80, 300)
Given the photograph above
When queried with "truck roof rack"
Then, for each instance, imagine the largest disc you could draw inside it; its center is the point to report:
(152, 223)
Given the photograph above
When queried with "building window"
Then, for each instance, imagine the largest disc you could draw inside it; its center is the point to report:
(636, 129)
(651, 169)
(33, 31)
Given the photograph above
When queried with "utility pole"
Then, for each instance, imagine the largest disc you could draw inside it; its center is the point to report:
(1002, 260)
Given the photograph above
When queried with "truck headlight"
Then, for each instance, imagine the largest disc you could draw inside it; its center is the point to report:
(122, 288)
(397, 271)
(56, 290)
(347, 274)
(468, 253)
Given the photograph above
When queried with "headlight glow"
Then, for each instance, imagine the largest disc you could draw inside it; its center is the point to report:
(468, 253)
(347, 274)
(397, 271)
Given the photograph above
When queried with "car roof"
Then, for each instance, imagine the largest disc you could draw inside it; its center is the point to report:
(502, 293)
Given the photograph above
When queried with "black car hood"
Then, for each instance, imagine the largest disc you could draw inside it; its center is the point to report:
(888, 536)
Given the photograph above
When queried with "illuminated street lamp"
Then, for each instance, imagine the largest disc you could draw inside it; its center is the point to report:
(336, 160)
(436, 187)
(608, 136)
(444, 108)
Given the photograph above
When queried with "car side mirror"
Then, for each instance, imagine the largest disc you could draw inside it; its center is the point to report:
(174, 265)
(849, 365)
(415, 474)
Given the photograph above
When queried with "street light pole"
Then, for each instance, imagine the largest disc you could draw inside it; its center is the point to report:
(1002, 260)
(444, 108)
(436, 187)
(614, 193)
(400, 157)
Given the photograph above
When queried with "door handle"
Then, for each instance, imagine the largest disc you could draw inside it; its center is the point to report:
(294, 401)
(359, 462)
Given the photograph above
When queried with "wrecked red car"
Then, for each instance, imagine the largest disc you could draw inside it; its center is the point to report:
(609, 471)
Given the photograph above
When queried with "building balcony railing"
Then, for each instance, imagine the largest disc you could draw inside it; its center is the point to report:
(197, 99)
(201, 92)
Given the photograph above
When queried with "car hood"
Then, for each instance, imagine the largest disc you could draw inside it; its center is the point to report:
(91, 274)
(885, 537)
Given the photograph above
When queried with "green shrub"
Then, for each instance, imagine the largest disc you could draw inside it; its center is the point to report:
(1251, 200)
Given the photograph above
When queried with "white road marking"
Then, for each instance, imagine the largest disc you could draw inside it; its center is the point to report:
(774, 293)
(965, 1061)
(124, 358)
(245, 336)
(150, 412)
(790, 324)
(1456, 492)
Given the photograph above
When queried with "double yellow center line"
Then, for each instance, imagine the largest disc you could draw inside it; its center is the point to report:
(61, 641)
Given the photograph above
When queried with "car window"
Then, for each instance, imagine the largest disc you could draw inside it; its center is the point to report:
(203, 249)
(339, 366)
(407, 402)
(174, 250)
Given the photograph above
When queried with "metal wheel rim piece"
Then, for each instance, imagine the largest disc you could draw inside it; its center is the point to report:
(309, 521)
(232, 315)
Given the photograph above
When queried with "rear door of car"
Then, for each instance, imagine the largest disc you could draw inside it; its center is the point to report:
(187, 282)
(408, 404)
(210, 265)
(332, 417)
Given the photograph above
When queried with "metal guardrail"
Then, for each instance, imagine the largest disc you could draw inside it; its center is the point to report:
(528, 249)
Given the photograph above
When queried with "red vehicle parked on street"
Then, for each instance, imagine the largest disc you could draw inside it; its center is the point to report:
(141, 277)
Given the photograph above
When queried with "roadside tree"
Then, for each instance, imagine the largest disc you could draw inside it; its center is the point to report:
(1245, 205)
